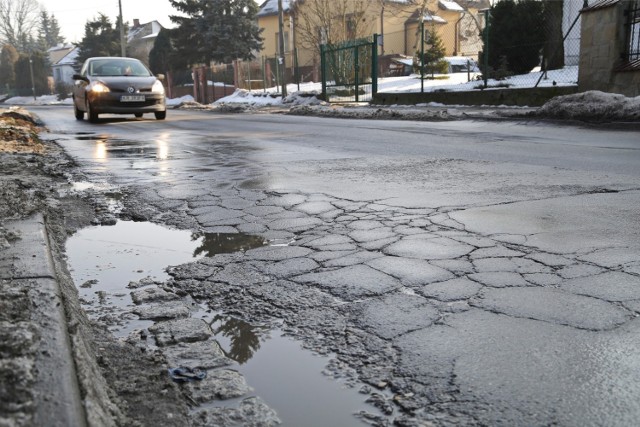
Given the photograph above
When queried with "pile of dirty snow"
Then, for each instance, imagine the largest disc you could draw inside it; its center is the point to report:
(19, 132)
(261, 99)
(592, 106)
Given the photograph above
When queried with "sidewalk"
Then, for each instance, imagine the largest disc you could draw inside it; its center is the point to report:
(37, 372)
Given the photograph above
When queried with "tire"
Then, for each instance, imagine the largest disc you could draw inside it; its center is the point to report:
(79, 114)
(91, 114)
(160, 115)
(138, 115)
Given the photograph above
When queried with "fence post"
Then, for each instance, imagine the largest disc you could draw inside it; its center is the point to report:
(357, 69)
(323, 71)
(297, 67)
(204, 85)
(264, 74)
(169, 77)
(196, 83)
(235, 73)
(486, 48)
(374, 66)
(277, 74)
(422, 55)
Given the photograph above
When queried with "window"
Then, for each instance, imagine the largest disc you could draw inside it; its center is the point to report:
(633, 32)
(323, 35)
(351, 27)
(286, 42)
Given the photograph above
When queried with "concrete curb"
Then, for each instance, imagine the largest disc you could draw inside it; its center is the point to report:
(29, 263)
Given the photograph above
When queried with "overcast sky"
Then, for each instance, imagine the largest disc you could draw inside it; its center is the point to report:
(72, 15)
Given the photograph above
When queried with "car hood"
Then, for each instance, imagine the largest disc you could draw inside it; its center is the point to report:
(122, 83)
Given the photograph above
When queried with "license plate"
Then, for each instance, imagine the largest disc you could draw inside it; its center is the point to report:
(132, 98)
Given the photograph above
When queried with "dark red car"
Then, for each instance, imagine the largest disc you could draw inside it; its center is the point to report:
(117, 86)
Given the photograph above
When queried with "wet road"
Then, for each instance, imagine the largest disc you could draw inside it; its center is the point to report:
(467, 272)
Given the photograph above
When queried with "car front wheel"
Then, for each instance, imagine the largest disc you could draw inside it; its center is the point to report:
(161, 115)
(79, 114)
(93, 116)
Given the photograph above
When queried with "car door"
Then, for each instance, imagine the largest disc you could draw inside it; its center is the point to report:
(80, 88)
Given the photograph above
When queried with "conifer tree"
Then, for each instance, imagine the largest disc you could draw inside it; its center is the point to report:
(434, 51)
(516, 34)
(216, 30)
(101, 38)
(49, 31)
(161, 56)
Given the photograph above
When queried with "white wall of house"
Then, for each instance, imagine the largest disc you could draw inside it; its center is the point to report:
(63, 73)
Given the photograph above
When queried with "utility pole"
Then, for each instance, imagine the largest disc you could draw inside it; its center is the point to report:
(123, 50)
(282, 58)
(33, 84)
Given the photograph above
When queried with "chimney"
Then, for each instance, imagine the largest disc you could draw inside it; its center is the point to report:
(136, 23)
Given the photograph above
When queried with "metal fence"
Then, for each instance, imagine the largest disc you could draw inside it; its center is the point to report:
(349, 70)
(210, 83)
(454, 60)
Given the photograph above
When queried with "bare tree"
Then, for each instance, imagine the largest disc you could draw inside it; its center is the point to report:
(18, 21)
(333, 21)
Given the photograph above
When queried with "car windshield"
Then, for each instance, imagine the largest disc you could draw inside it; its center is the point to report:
(117, 67)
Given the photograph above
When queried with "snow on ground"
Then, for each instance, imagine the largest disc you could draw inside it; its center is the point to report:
(40, 100)
(592, 104)
(177, 101)
(458, 82)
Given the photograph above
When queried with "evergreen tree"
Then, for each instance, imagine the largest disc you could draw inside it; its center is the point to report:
(159, 56)
(434, 52)
(8, 57)
(49, 31)
(216, 30)
(101, 38)
(554, 43)
(40, 74)
(516, 33)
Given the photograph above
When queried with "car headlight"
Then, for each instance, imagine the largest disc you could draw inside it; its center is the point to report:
(157, 87)
(99, 87)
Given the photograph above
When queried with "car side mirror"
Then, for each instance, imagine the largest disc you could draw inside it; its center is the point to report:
(79, 77)
(160, 76)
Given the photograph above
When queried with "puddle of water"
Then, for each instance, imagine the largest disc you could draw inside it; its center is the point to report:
(288, 377)
(281, 372)
(129, 251)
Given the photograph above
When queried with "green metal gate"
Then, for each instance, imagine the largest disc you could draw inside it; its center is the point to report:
(350, 70)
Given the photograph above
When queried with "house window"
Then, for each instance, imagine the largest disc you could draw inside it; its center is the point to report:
(323, 35)
(286, 42)
(633, 31)
(351, 27)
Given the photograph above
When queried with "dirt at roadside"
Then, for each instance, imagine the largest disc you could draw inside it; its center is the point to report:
(120, 384)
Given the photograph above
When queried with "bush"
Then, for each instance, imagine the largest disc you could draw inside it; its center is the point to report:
(63, 91)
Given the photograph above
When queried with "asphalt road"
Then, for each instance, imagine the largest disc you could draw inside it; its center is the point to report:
(472, 272)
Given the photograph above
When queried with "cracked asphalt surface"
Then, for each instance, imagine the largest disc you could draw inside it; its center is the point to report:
(468, 273)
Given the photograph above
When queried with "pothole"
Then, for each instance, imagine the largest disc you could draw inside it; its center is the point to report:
(103, 260)
(298, 384)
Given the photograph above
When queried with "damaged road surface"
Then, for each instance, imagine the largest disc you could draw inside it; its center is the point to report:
(310, 271)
